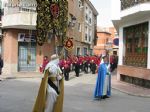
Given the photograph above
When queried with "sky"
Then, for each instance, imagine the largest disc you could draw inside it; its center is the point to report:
(104, 9)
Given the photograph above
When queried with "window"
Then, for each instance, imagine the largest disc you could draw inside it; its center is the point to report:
(86, 30)
(80, 4)
(91, 52)
(136, 45)
(86, 17)
(78, 51)
(90, 35)
(90, 20)
(86, 37)
(85, 51)
(79, 27)
(86, 8)
(90, 16)
(136, 38)
(89, 38)
(86, 33)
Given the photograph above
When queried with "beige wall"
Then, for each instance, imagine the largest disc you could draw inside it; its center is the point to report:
(45, 50)
(73, 32)
(10, 51)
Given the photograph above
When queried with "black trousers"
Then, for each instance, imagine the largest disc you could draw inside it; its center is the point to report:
(93, 68)
(86, 67)
(66, 74)
(77, 69)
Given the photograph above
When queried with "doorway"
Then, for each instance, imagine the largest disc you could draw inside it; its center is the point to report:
(23, 63)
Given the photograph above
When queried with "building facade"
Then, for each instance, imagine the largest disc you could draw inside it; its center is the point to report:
(20, 50)
(84, 29)
(90, 26)
(132, 21)
(103, 36)
(106, 35)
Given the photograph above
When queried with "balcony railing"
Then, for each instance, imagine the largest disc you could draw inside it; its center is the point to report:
(130, 3)
(135, 60)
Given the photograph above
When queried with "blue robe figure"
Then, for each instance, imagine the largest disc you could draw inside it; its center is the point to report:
(103, 83)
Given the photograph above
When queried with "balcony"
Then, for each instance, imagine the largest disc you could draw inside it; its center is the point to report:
(20, 18)
(130, 12)
(130, 3)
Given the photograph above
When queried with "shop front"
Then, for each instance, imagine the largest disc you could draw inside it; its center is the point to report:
(21, 53)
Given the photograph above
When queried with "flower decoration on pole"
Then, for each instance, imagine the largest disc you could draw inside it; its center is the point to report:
(52, 17)
(54, 8)
(68, 44)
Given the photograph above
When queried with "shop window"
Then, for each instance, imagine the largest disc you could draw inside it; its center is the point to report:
(136, 42)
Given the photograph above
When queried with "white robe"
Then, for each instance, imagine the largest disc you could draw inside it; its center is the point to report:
(51, 99)
(55, 71)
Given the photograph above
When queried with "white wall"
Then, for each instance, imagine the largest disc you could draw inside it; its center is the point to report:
(19, 19)
(121, 48)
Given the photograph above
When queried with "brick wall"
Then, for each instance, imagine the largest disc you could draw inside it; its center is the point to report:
(101, 41)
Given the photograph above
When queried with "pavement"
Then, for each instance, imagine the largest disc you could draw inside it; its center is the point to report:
(129, 88)
(124, 87)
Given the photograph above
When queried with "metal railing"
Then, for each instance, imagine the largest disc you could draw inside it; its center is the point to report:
(130, 3)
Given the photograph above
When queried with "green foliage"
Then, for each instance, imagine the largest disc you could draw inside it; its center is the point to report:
(47, 23)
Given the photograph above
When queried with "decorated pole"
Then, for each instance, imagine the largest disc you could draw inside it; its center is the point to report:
(52, 18)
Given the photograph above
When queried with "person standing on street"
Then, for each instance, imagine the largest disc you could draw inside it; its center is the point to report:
(66, 69)
(45, 62)
(51, 91)
(103, 84)
(1, 65)
(77, 66)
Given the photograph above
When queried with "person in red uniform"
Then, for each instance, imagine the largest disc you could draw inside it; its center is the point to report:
(81, 62)
(93, 64)
(45, 62)
(66, 69)
(61, 65)
(85, 64)
(77, 66)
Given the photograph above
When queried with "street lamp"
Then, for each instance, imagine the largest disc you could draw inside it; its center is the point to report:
(72, 22)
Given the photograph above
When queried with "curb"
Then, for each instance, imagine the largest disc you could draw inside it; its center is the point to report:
(131, 94)
(18, 77)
